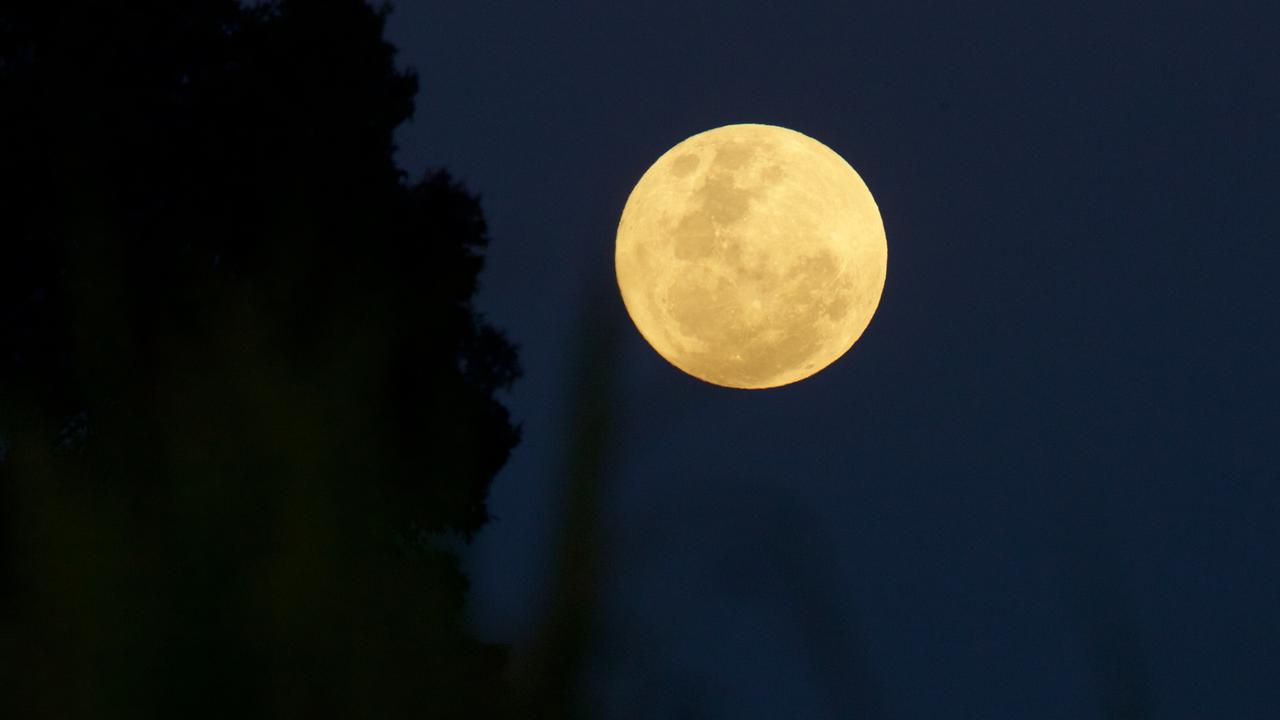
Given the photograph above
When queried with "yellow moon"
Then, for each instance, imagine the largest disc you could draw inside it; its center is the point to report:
(751, 256)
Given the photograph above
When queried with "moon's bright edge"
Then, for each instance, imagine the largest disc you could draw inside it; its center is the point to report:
(751, 256)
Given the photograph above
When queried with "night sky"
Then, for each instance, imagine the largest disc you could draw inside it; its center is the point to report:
(1044, 482)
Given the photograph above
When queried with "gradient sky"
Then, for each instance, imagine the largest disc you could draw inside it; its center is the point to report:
(1044, 484)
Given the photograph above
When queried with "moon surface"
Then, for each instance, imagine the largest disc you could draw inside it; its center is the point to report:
(751, 256)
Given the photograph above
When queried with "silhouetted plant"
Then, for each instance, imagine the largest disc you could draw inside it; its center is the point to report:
(241, 377)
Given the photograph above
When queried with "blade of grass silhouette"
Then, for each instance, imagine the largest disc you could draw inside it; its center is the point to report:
(1101, 600)
(548, 675)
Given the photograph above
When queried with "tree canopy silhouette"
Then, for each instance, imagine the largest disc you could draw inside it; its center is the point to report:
(243, 388)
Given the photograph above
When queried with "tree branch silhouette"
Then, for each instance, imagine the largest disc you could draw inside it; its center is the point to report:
(242, 382)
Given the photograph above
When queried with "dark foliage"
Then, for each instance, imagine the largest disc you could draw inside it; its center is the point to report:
(242, 385)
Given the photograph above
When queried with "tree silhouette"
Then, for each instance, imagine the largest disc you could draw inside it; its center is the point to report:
(243, 389)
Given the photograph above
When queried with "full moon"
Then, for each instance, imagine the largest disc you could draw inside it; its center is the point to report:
(751, 256)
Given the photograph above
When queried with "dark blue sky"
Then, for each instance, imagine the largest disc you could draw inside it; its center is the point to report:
(1043, 484)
